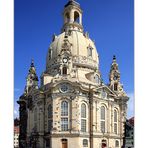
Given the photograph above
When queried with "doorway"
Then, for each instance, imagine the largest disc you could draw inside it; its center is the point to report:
(64, 143)
(104, 144)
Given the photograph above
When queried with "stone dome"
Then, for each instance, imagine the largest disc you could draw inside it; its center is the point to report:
(78, 44)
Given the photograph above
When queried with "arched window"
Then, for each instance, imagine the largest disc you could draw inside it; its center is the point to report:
(83, 110)
(89, 51)
(49, 111)
(49, 117)
(83, 118)
(64, 116)
(85, 143)
(35, 119)
(102, 121)
(76, 17)
(97, 79)
(115, 121)
(64, 70)
(116, 143)
(64, 108)
(50, 53)
(115, 87)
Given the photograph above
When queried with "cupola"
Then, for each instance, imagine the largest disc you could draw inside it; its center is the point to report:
(72, 17)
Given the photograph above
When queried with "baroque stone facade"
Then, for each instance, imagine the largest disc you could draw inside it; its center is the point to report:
(72, 108)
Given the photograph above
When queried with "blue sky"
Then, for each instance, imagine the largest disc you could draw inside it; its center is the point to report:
(109, 22)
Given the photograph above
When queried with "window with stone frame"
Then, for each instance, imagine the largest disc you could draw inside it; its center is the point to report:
(64, 116)
(50, 54)
(35, 119)
(83, 125)
(64, 71)
(50, 112)
(115, 121)
(83, 118)
(102, 119)
(89, 51)
(64, 124)
(97, 79)
(76, 17)
(115, 87)
(64, 108)
(85, 143)
(116, 143)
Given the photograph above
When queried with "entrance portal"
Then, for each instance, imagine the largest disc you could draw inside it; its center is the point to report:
(104, 144)
(64, 143)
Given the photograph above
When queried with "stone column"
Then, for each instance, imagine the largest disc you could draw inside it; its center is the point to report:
(112, 125)
(65, 19)
(71, 16)
(108, 118)
(80, 19)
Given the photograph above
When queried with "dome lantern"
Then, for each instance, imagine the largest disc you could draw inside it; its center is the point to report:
(72, 17)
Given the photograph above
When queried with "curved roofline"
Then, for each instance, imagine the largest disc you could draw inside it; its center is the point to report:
(73, 3)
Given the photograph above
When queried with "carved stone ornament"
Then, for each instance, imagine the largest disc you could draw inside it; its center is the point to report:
(30, 102)
(66, 46)
(64, 88)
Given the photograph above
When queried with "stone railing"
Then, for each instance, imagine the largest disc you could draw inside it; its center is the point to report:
(85, 61)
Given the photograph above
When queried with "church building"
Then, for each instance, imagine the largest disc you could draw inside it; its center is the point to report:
(72, 107)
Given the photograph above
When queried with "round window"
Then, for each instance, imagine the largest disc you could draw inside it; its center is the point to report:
(64, 88)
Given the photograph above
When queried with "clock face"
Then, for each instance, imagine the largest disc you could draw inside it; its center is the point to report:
(115, 76)
(65, 60)
(64, 88)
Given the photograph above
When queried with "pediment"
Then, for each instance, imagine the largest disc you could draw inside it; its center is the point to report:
(63, 86)
(58, 82)
(66, 47)
(106, 89)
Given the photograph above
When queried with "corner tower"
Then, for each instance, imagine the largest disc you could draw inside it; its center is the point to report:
(114, 77)
(32, 78)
